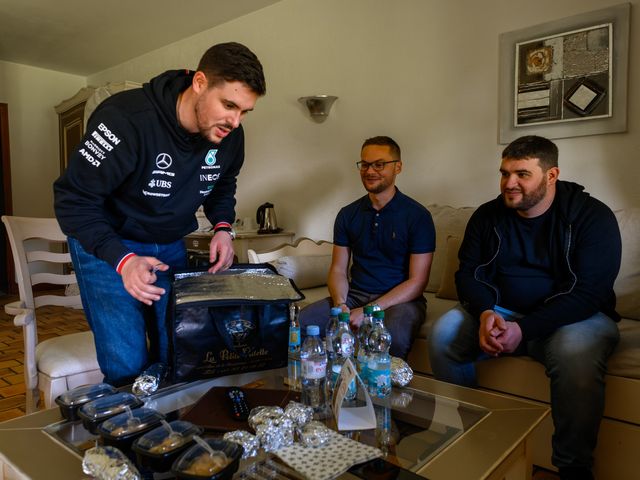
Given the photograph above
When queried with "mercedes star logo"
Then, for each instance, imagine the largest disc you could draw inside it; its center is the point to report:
(163, 161)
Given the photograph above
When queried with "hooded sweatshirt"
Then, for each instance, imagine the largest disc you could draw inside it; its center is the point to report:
(138, 175)
(585, 250)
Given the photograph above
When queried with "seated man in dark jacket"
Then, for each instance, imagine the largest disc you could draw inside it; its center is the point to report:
(537, 267)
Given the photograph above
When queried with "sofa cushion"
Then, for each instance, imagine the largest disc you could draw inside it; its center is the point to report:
(627, 286)
(306, 271)
(449, 221)
(448, 282)
(625, 360)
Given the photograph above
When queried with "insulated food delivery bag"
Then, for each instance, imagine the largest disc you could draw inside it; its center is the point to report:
(229, 322)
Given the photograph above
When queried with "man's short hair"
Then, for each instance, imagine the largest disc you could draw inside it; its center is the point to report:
(233, 62)
(382, 140)
(533, 146)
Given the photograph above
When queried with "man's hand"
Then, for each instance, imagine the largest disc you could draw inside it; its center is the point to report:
(138, 277)
(510, 338)
(492, 325)
(220, 251)
(356, 318)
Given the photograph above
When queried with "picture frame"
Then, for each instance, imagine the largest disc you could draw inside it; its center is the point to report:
(565, 78)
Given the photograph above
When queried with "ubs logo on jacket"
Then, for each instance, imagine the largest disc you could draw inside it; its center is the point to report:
(163, 162)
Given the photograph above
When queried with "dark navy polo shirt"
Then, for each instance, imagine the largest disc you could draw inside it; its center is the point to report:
(381, 242)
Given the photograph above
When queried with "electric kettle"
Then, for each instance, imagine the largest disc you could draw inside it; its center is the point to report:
(266, 218)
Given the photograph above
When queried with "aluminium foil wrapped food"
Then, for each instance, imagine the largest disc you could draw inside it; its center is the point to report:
(108, 463)
(401, 372)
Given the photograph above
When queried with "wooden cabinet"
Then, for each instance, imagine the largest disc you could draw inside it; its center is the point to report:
(74, 112)
(71, 123)
(199, 242)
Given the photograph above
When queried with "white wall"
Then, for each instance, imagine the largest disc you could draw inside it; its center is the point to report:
(31, 93)
(422, 71)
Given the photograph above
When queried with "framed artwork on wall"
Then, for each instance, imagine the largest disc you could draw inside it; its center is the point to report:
(565, 78)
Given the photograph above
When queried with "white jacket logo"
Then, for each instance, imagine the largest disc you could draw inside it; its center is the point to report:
(163, 161)
(159, 183)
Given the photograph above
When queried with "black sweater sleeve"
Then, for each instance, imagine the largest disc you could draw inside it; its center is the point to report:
(104, 158)
(594, 258)
(476, 250)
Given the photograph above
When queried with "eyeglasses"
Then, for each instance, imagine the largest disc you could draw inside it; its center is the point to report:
(377, 166)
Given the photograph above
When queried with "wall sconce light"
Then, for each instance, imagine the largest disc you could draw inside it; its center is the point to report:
(318, 105)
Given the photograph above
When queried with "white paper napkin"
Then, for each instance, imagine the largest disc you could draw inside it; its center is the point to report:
(328, 461)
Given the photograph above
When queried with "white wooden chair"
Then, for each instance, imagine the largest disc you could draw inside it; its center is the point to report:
(60, 363)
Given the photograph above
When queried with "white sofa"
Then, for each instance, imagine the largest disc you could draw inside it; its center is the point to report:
(619, 439)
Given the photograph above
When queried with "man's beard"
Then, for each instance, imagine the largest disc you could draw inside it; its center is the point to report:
(528, 200)
(382, 185)
(205, 130)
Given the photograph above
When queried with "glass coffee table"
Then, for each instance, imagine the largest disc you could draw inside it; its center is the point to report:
(429, 430)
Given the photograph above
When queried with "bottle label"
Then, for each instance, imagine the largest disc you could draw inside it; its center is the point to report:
(346, 344)
(380, 379)
(314, 370)
(294, 338)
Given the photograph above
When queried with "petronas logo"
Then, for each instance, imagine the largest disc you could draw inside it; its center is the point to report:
(210, 159)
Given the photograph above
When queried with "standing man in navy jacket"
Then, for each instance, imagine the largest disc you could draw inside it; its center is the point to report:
(537, 267)
(150, 158)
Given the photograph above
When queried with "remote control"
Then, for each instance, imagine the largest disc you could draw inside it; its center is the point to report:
(238, 403)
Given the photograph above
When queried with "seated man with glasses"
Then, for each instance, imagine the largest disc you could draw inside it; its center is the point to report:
(390, 239)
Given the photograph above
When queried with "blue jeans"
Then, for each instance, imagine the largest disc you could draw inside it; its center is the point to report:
(574, 356)
(129, 335)
(403, 320)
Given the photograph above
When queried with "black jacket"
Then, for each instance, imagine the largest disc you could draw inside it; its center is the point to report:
(138, 175)
(585, 250)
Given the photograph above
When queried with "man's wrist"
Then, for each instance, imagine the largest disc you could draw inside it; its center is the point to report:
(124, 260)
(225, 227)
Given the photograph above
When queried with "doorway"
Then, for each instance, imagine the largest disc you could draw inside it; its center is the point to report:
(7, 271)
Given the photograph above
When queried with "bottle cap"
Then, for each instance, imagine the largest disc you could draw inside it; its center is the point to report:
(378, 314)
(335, 311)
(368, 309)
(344, 317)
(313, 330)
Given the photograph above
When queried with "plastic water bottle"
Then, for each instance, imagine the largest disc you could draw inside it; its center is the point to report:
(332, 327)
(343, 347)
(313, 360)
(363, 347)
(379, 341)
(294, 328)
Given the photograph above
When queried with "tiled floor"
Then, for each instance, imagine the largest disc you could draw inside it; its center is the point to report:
(52, 321)
(55, 321)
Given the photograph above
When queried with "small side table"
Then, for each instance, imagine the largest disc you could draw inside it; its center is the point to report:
(199, 242)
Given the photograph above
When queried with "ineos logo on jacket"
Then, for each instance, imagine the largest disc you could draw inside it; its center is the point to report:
(163, 161)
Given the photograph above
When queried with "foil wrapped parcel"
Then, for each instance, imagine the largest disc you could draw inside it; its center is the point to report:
(300, 414)
(249, 442)
(401, 372)
(108, 463)
(314, 434)
(148, 381)
(238, 284)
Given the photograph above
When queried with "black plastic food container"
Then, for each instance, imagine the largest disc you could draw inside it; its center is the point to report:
(186, 465)
(121, 430)
(158, 449)
(70, 401)
(97, 411)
